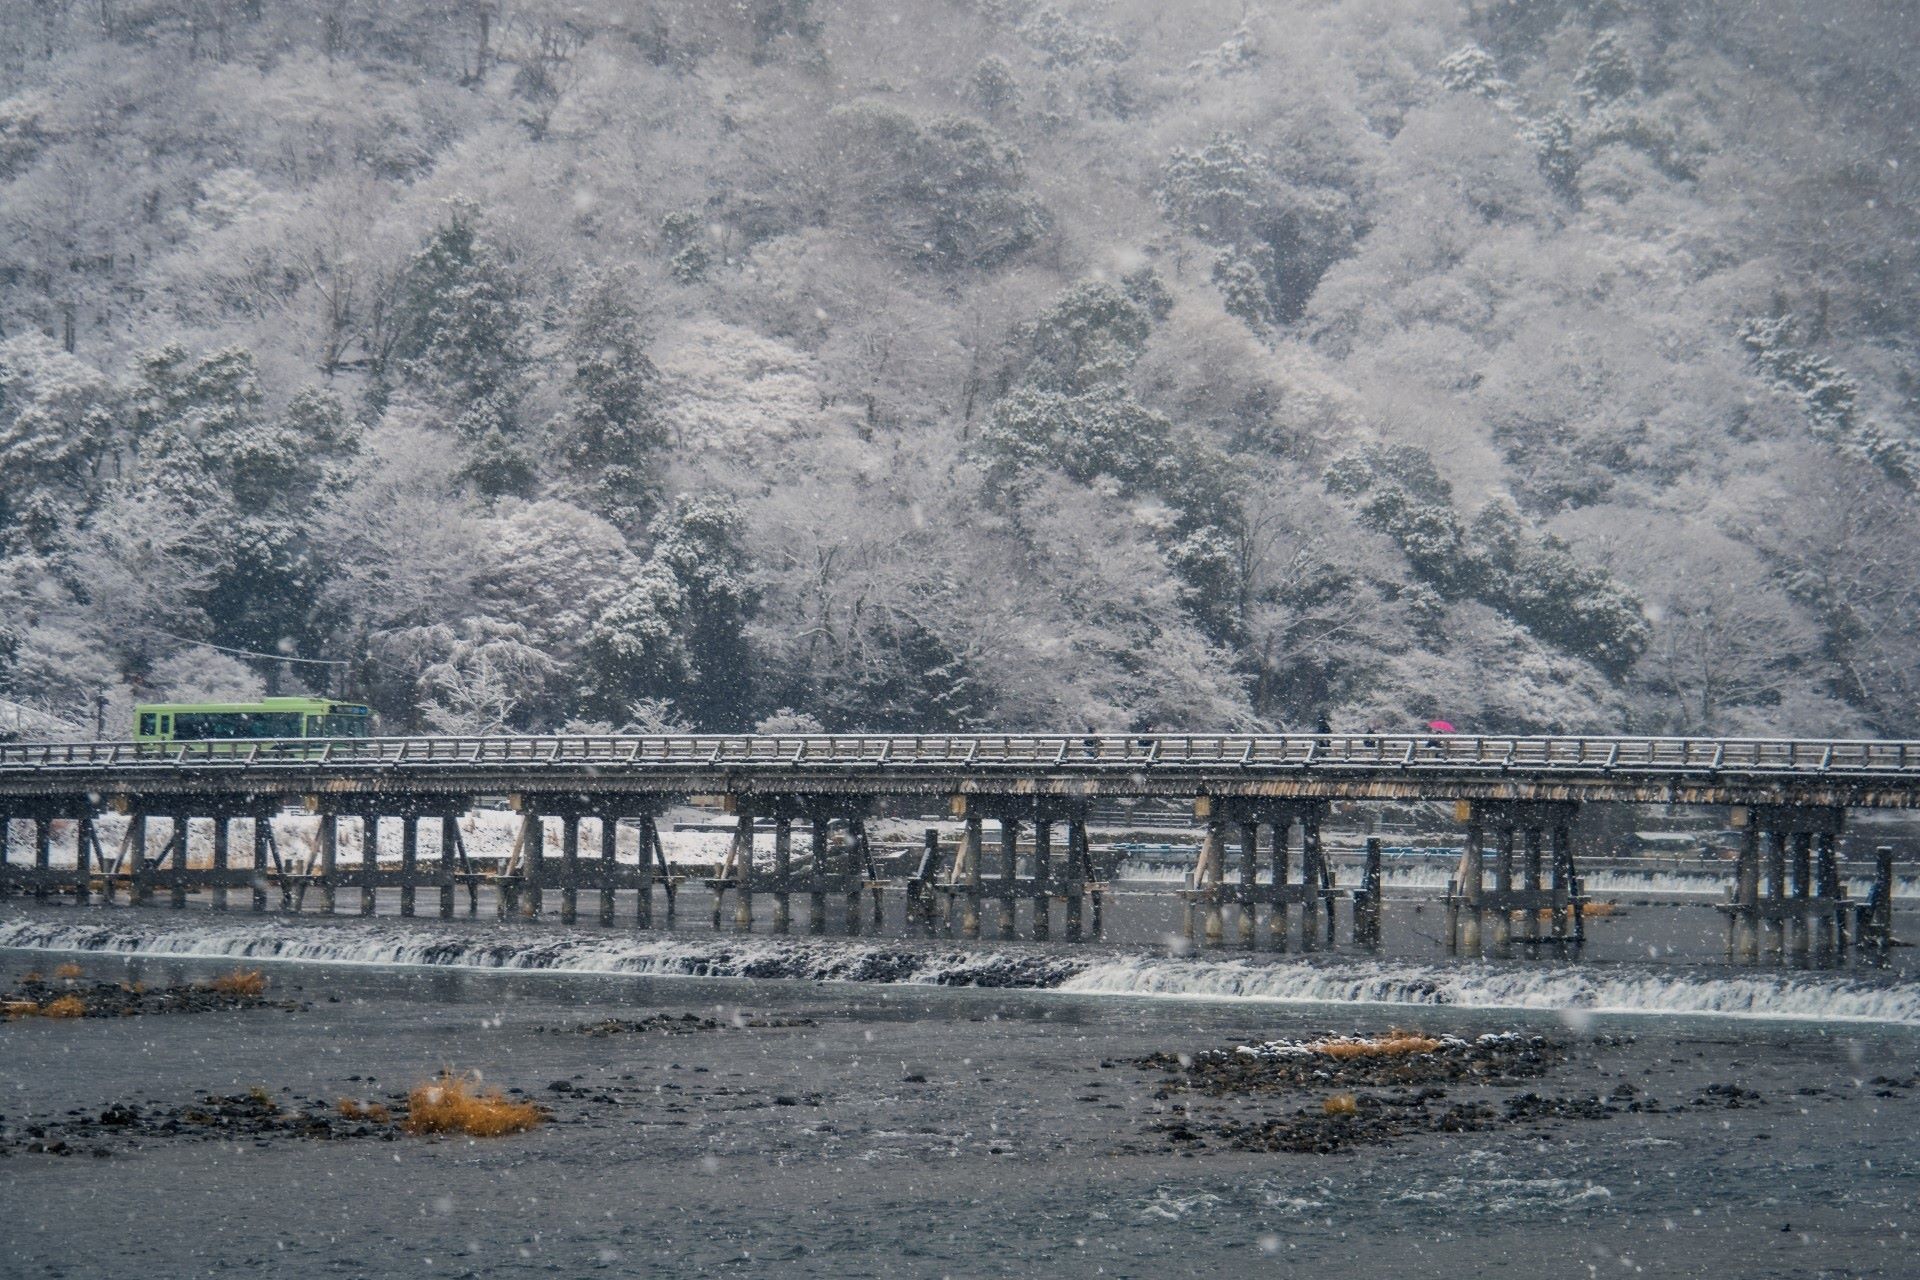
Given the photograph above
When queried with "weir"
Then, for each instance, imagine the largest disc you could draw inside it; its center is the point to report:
(1254, 883)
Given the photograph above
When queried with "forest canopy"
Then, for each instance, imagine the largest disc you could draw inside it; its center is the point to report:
(985, 363)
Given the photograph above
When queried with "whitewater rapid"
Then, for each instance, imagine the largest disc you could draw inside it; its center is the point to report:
(1600, 882)
(1570, 990)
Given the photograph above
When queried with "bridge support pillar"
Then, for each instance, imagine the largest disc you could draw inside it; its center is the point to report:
(42, 855)
(1209, 890)
(643, 879)
(409, 860)
(1480, 917)
(970, 877)
(1502, 921)
(533, 861)
(262, 855)
(570, 868)
(139, 882)
(817, 874)
(449, 849)
(1042, 878)
(369, 861)
(1743, 936)
(220, 850)
(329, 837)
(1009, 873)
(609, 865)
(1829, 928)
(1245, 910)
(782, 870)
(1366, 904)
(1791, 903)
(1207, 879)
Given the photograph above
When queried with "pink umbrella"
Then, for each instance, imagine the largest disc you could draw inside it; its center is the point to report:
(1439, 726)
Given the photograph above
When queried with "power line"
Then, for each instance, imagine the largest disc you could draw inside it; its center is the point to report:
(249, 653)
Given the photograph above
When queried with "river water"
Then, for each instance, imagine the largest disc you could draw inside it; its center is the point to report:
(906, 1125)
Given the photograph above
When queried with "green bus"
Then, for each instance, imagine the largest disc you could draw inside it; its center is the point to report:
(267, 718)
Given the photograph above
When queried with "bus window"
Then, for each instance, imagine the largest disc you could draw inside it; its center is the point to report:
(148, 723)
(201, 726)
(340, 726)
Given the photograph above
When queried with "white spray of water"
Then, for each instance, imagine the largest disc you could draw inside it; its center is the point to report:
(1602, 882)
(1565, 989)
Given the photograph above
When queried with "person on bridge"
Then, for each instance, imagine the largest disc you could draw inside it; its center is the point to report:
(1323, 725)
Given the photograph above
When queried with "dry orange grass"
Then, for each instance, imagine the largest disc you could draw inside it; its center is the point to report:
(241, 982)
(1341, 1104)
(1393, 1044)
(67, 971)
(453, 1104)
(351, 1110)
(65, 1007)
(20, 1009)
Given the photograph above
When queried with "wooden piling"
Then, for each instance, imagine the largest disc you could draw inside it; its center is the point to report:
(1282, 856)
(1472, 886)
(139, 879)
(182, 837)
(1880, 900)
(409, 860)
(220, 862)
(1310, 834)
(1249, 879)
(816, 899)
(855, 852)
(1743, 934)
(1076, 875)
(329, 837)
(1561, 854)
(262, 834)
(1368, 932)
(1042, 878)
(1776, 894)
(369, 861)
(569, 870)
(1502, 920)
(1212, 860)
(533, 863)
(1801, 886)
(609, 865)
(643, 879)
(1310, 877)
(1531, 882)
(782, 871)
(449, 850)
(1009, 873)
(42, 855)
(743, 870)
(665, 869)
(970, 852)
(1829, 923)
(82, 860)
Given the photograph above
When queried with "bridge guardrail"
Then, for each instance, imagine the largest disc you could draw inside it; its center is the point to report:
(987, 752)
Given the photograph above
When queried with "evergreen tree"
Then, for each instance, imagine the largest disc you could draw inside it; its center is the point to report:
(462, 338)
(59, 421)
(636, 648)
(610, 435)
(699, 542)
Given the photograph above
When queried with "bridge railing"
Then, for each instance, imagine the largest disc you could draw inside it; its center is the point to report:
(964, 752)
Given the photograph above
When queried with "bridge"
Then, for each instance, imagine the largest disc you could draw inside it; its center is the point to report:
(1516, 796)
